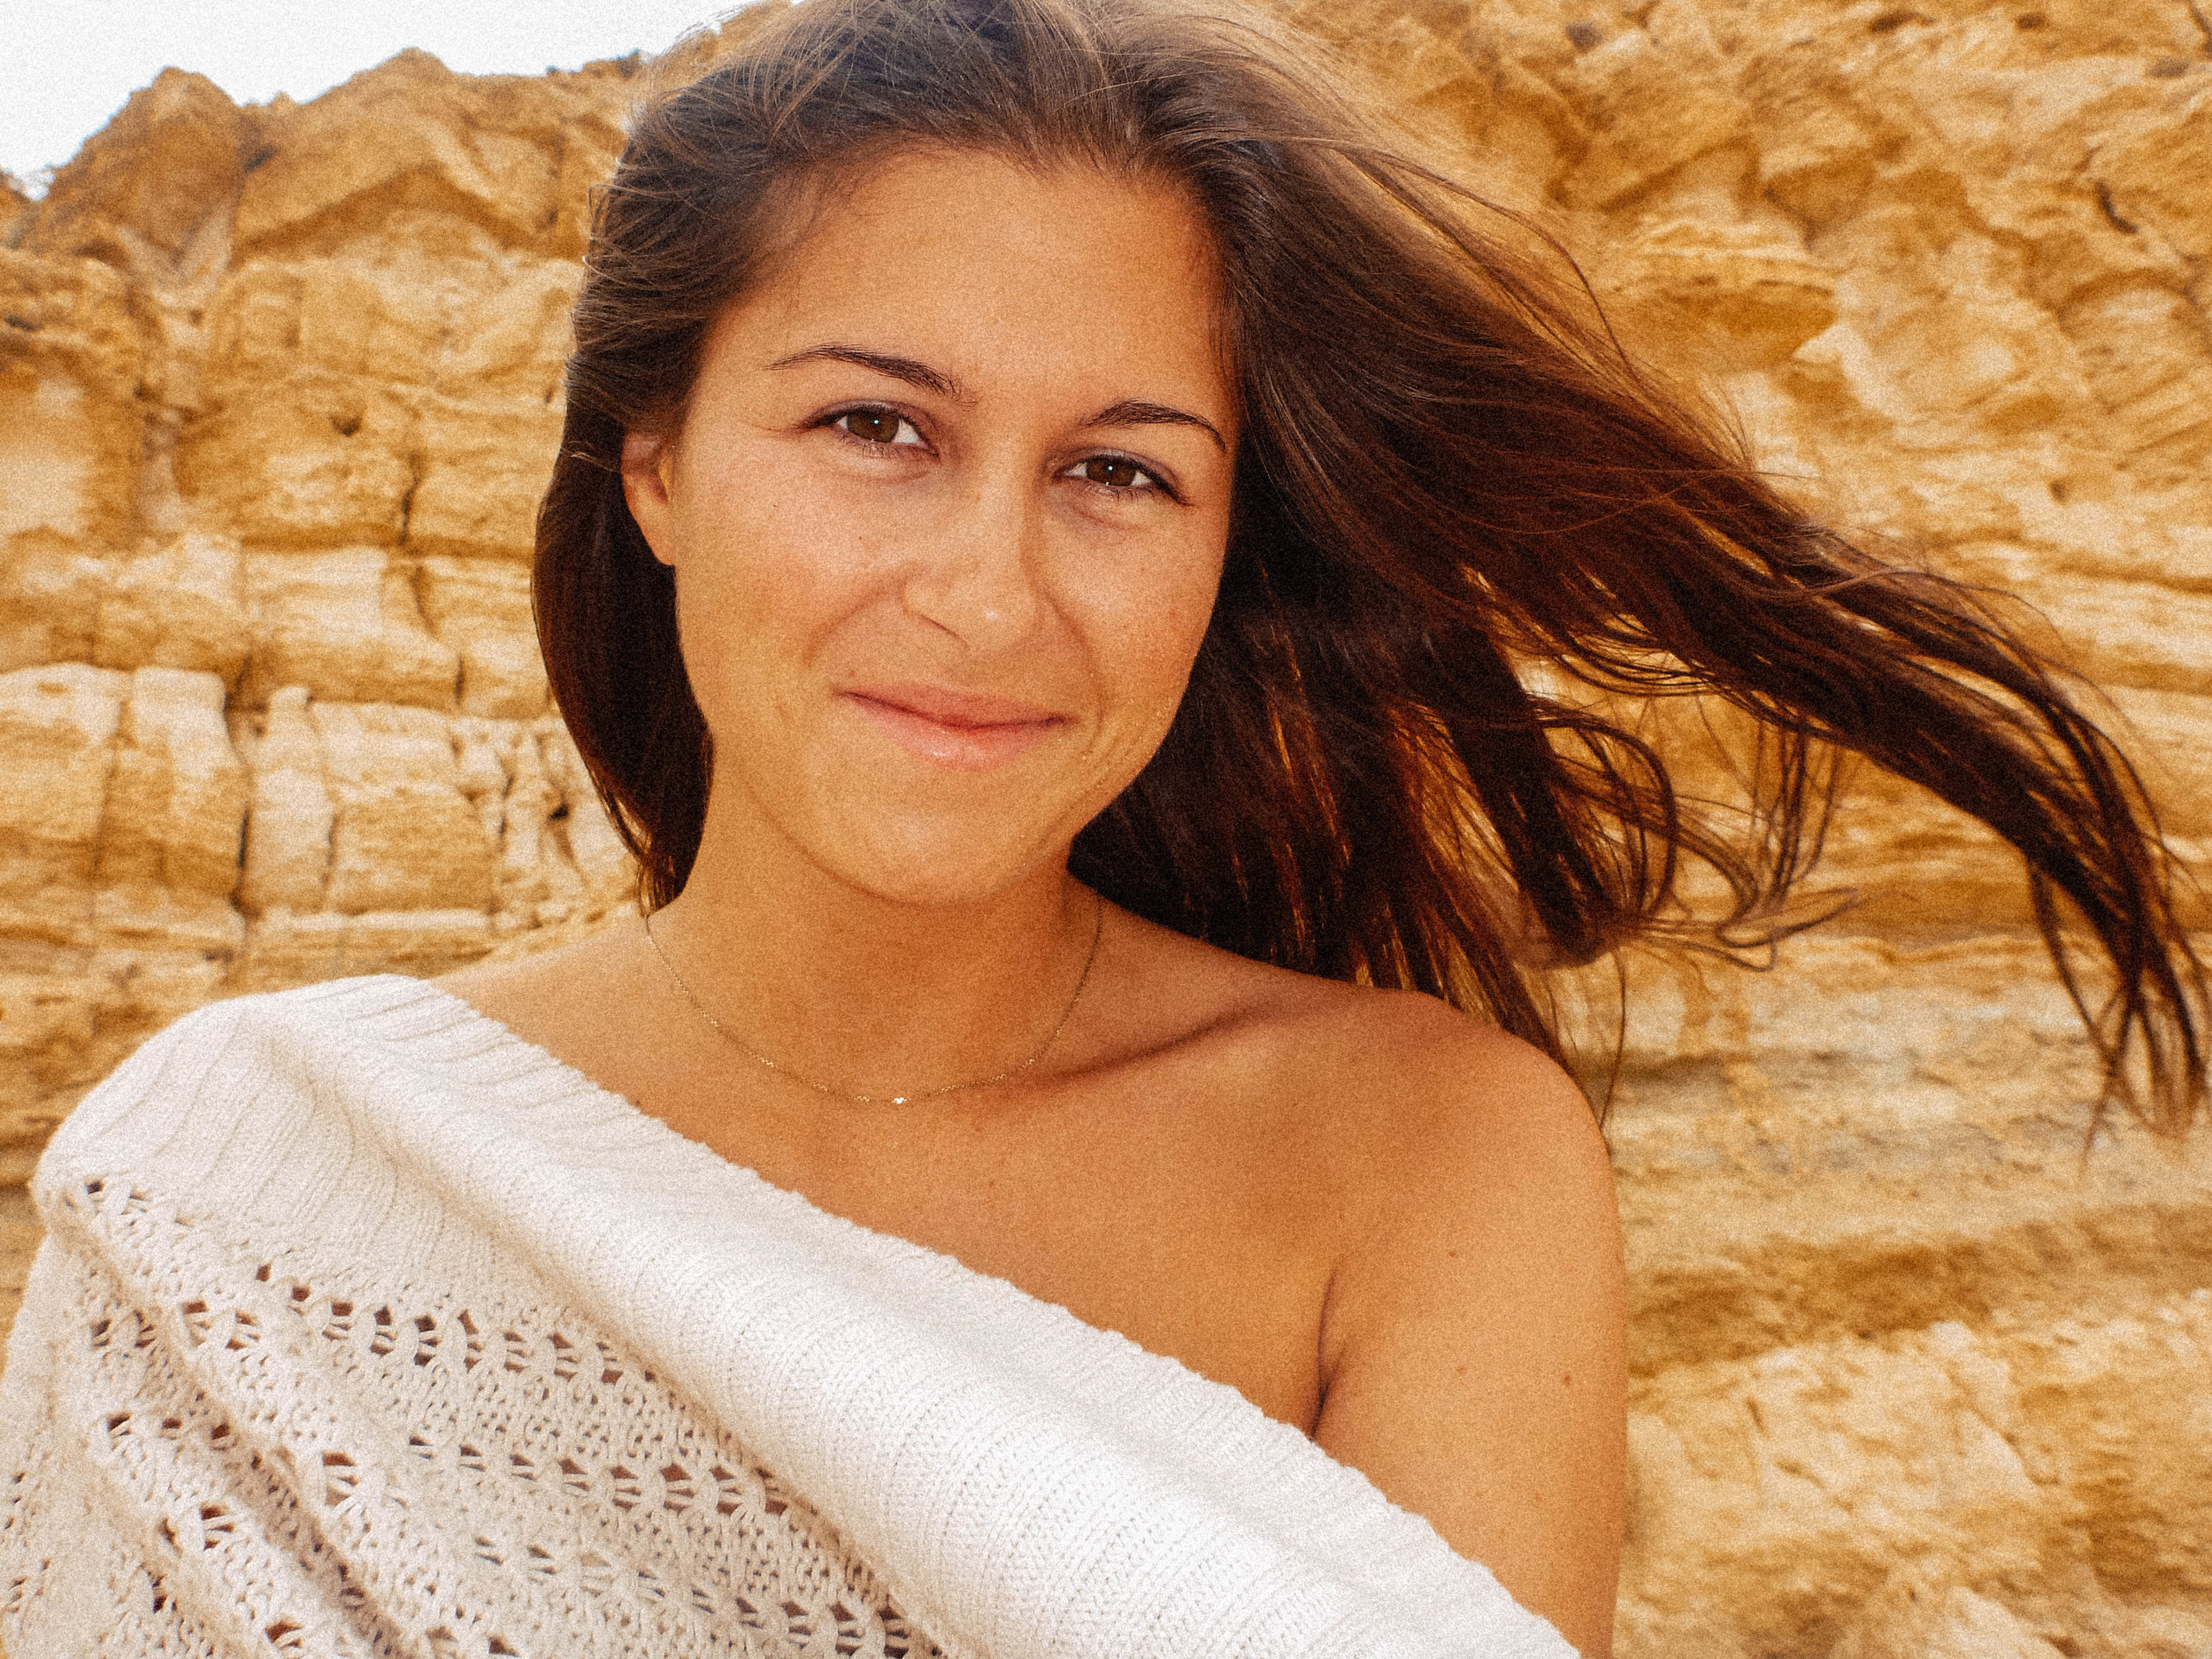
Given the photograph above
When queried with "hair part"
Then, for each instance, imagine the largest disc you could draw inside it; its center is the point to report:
(1453, 489)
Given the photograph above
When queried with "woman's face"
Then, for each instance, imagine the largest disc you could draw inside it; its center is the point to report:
(947, 514)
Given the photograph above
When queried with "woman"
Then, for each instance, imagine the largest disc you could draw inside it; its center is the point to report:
(1056, 529)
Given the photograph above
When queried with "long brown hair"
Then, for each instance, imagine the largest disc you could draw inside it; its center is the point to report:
(1454, 496)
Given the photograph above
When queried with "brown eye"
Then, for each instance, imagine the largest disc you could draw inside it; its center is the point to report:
(877, 425)
(1112, 469)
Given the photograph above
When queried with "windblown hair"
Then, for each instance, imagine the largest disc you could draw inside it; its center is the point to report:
(1454, 497)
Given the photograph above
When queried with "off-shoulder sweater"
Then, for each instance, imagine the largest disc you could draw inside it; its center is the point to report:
(363, 1327)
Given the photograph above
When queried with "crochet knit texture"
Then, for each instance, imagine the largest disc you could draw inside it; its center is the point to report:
(363, 1327)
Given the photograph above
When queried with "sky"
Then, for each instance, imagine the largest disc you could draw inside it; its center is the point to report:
(67, 65)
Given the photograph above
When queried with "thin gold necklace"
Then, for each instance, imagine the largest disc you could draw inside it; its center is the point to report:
(1098, 926)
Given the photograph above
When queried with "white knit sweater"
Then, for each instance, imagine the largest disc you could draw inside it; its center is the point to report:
(363, 1327)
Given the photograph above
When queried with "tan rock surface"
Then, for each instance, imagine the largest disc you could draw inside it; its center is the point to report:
(279, 387)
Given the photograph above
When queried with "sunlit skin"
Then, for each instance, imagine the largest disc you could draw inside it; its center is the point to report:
(947, 514)
(870, 507)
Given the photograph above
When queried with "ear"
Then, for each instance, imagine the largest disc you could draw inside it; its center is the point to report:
(647, 463)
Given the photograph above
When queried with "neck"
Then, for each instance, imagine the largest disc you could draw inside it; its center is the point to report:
(867, 995)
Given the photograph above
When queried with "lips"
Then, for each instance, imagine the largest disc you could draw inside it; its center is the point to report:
(963, 730)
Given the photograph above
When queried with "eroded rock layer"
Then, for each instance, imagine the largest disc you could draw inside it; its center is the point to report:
(278, 388)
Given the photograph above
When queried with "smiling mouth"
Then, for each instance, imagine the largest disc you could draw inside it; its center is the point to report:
(959, 730)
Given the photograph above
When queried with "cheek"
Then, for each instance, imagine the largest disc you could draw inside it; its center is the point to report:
(770, 574)
(1153, 638)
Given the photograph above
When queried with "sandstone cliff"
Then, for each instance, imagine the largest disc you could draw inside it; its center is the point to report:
(279, 387)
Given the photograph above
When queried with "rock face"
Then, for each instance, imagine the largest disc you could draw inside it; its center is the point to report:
(278, 388)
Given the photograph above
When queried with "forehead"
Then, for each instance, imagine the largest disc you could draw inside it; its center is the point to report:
(1043, 271)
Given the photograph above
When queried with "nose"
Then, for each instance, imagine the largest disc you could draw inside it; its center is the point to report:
(977, 578)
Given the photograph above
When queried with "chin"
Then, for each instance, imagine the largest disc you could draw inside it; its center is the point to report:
(938, 883)
(941, 859)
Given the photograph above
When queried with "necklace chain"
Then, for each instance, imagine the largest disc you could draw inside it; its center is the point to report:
(1098, 926)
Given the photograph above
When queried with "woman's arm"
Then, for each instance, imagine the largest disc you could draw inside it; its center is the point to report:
(1473, 1346)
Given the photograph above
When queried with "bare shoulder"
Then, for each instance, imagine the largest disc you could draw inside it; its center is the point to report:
(543, 973)
(1464, 1149)
(1437, 1131)
(1473, 1344)
(1413, 1092)
(558, 998)
(1466, 1106)
(1472, 1341)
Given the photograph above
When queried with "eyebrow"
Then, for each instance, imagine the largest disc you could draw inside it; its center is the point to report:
(1136, 413)
(898, 368)
(1128, 413)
